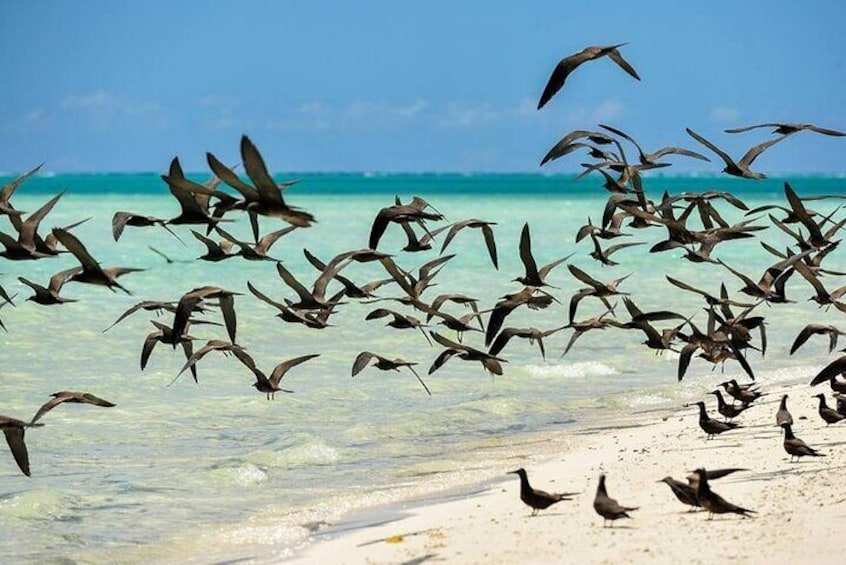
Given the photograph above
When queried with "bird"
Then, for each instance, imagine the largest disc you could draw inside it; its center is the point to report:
(483, 225)
(788, 129)
(122, 219)
(533, 276)
(50, 295)
(594, 323)
(195, 299)
(538, 499)
(607, 507)
(830, 415)
(530, 296)
(156, 306)
(795, 447)
(225, 347)
(711, 426)
(385, 364)
(9, 188)
(265, 199)
(739, 168)
(595, 288)
(491, 363)
(92, 272)
(400, 214)
(26, 246)
(830, 371)
(686, 492)
(270, 385)
(730, 411)
(532, 334)
(14, 429)
(817, 329)
(568, 64)
(783, 415)
(70, 396)
(713, 502)
(399, 320)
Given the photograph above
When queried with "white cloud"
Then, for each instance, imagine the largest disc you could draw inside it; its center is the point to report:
(466, 115)
(89, 101)
(218, 101)
(724, 114)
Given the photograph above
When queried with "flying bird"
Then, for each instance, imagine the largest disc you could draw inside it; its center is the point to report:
(70, 396)
(568, 64)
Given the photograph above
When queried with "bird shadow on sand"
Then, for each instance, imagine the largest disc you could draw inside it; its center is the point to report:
(797, 468)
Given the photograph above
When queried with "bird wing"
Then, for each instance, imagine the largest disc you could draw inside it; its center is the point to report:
(445, 356)
(747, 159)
(15, 439)
(722, 154)
(526, 253)
(78, 250)
(361, 361)
(615, 56)
(283, 367)
(226, 174)
(30, 226)
(294, 284)
(830, 371)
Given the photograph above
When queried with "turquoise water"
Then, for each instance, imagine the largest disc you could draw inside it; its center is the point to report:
(193, 471)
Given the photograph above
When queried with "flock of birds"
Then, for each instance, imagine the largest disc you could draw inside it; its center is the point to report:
(690, 221)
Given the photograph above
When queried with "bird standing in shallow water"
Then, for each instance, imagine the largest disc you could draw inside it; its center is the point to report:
(535, 498)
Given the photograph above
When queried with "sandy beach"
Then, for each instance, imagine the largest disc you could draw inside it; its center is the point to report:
(801, 507)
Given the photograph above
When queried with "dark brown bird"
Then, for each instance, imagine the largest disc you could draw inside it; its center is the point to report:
(122, 219)
(788, 129)
(215, 250)
(266, 198)
(651, 159)
(711, 426)
(739, 168)
(399, 320)
(490, 362)
(795, 447)
(259, 251)
(314, 319)
(595, 288)
(26, 247)
(484, 226)
(783, 415)
(538, 499)
(50, 295)
(686, 492)
(568, 64)
(532, 334)
(400, 214)
(729, 411)
(195, 300)
(69, 396)
(534, 276)
(13, 429)
(817, 329)
(270, 385)
(92, 272)
(156, 306)
(713, 502)
(830, 415)
(830, 371)
(385, 364)
(529, 296)
(224, 347)
(594, 323)
(9, 188)
(607, 507)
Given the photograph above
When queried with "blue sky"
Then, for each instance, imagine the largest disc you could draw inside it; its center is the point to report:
(401, 86)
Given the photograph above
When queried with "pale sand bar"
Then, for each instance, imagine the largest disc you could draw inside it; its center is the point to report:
(801, 507)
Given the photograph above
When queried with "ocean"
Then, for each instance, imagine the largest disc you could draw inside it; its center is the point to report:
(201, 472)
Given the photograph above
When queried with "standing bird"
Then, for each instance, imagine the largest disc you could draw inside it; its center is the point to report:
(711, 426)
(686, 492)
(713, 502)
(795, 447)
(568, 64)
(385, 364)
(783, 416)
(536, 498)
(607, 507)
(70, 396)
(830, 415)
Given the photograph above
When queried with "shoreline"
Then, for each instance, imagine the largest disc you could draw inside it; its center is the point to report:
(486, 522)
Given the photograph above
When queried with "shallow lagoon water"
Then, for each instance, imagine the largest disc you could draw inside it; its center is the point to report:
(193, 471)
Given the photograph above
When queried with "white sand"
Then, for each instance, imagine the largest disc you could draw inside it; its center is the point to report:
(801, 507)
